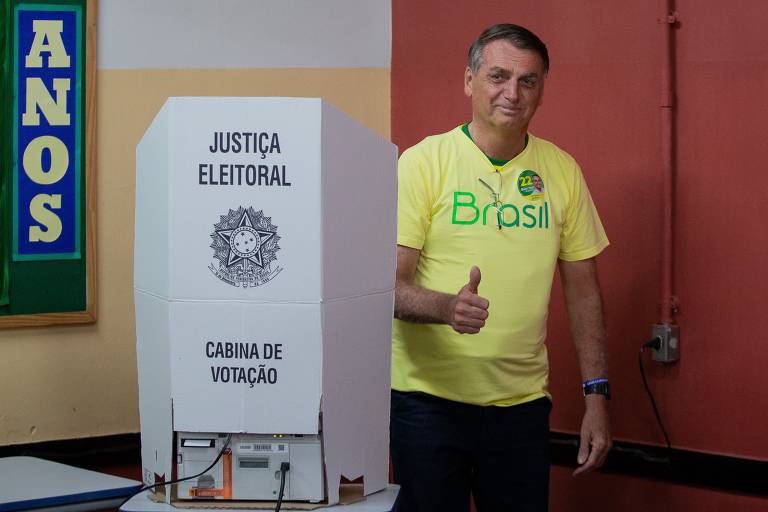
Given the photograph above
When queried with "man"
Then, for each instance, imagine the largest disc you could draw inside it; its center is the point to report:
(470, 406)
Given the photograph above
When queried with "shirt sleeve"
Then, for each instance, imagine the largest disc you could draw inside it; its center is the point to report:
(414, 200)
(583, 235)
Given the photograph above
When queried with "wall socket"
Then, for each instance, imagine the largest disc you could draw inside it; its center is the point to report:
(669, 352)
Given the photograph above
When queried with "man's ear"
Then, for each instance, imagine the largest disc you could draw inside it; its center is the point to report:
(541, 96)
(468, 82)
(541, 93)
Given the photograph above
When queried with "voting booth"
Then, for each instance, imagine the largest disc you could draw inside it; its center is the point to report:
(263, 282)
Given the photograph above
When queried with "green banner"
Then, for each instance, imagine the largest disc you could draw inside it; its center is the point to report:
(6, 95)
(42, 30)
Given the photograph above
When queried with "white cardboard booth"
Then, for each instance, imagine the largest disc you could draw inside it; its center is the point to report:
(263, 283)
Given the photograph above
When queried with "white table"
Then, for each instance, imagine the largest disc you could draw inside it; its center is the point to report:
(29, 483)
(381, 501)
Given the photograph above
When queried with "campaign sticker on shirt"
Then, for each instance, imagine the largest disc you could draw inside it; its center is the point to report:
(530, 185)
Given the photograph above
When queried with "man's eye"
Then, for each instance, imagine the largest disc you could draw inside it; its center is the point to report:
(497, 78)
(529, 83)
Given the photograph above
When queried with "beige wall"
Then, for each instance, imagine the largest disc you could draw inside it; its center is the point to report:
(72, 382)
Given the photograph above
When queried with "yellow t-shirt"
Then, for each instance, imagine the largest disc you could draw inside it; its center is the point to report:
(444, 210)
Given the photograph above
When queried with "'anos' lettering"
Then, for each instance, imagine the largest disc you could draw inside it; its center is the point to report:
(46, 210)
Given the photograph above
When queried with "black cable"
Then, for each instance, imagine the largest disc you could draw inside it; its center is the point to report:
(148, 487)
(284, 467)
(656, 344)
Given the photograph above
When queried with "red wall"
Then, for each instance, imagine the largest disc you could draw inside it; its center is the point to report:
(601, 104)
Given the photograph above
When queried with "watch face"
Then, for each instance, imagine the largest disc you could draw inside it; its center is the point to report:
(601, 388)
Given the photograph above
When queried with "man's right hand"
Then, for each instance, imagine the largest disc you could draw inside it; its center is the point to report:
(467, 311)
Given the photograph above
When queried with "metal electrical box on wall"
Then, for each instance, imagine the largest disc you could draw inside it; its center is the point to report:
(263, 280)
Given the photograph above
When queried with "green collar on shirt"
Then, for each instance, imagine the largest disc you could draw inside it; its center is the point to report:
(494, 161)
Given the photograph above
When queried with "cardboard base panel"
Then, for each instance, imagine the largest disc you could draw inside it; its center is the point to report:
(348, 494)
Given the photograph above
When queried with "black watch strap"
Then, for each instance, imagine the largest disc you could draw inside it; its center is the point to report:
(597, 387)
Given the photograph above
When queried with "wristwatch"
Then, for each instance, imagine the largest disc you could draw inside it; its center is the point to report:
(597, 387)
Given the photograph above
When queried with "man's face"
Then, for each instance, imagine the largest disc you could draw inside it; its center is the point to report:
(507, 88)
(536, 182)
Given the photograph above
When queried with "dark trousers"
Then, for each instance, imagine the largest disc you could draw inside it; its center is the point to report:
(443, 451)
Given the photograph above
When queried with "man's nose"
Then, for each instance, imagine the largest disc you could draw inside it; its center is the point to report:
(512, 91)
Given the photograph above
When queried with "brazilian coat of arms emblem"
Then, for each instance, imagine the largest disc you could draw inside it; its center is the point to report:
(245, 245)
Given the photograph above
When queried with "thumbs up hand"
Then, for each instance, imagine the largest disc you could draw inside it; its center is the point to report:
(468, 311)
